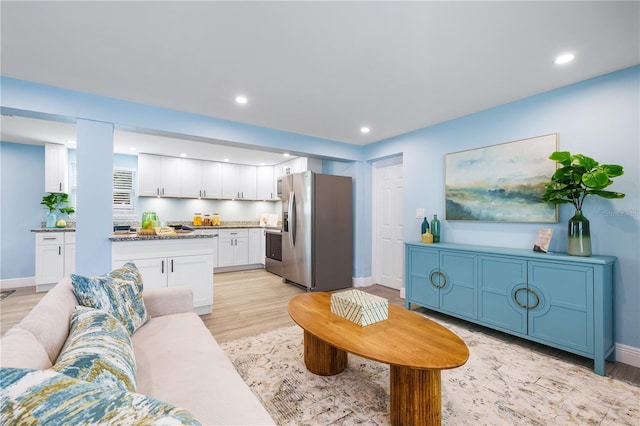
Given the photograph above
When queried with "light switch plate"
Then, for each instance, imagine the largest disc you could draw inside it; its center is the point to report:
(419, 213)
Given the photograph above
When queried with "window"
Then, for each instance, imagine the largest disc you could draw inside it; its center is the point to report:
(124, 191)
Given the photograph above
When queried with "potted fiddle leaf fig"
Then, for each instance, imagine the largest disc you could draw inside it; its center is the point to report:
(55, 201)
(578, 177)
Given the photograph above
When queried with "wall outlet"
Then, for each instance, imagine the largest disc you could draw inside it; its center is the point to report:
(419, 213)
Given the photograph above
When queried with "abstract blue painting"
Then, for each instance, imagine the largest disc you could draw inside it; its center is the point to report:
(501, 183)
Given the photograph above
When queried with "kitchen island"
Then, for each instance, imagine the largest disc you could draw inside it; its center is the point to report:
(171, 261)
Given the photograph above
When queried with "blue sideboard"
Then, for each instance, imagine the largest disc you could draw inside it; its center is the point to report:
(555, 299)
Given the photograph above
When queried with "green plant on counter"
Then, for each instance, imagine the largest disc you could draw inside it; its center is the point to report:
(579, 177)
(54, 201)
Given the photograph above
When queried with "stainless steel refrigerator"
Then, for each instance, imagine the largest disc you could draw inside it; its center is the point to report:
(317, 231)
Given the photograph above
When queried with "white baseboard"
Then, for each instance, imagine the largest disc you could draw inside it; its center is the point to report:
(17, 282)
(363, 281)
(628, 355)
(403, 293)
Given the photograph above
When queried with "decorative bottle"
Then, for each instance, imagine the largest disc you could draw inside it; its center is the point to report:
(425, 226)
(435, 228)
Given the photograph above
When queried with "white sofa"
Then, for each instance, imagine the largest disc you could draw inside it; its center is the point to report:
(177, 359)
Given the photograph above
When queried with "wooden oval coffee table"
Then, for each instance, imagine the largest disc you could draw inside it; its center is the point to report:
(415, 347)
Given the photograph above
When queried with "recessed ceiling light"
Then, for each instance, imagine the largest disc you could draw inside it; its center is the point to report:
(563, 59)
(286, 154)
(241, 99)
(183, 155)
(132, 148)
(364, 129)
(226, 159)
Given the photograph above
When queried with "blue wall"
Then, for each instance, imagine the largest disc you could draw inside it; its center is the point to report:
(21, 190)
(598, 117)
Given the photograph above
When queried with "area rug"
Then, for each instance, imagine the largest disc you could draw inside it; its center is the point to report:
(5, 293)
(502, 383)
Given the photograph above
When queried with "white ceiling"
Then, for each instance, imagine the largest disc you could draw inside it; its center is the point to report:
(322, 69)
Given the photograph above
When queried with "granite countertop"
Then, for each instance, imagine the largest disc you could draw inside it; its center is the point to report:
(181, 236)
(223, 225)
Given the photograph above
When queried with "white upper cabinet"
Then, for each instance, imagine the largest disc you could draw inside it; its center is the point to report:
(56, 168)
(239, 181)
(266, 183)
(211, 179)
(298, 165)
(191, 178)
(158, 176)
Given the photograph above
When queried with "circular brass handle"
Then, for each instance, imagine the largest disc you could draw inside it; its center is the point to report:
(515, 297)
(444, 279)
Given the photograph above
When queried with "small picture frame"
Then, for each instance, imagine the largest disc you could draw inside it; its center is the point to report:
(542, 240)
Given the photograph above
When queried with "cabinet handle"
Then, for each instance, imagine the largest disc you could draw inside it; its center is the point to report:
(171, 265)
(443, 279)
(158, 191)
(49, 238)
(162, 191)
(200, 193)
(515, 297)
(60, 186)
(59, 250)
(528, 290)
(205, 193)
(162, 270)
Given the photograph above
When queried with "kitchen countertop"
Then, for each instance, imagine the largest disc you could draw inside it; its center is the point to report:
(135, 237)
(195, 228)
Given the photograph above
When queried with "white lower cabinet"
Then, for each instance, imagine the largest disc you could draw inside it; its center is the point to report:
(233, 247)
(171, 263)
(55, 258)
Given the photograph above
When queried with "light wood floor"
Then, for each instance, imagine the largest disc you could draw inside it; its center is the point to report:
(255, 301)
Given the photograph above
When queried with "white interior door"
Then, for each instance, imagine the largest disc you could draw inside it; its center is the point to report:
(388, 244)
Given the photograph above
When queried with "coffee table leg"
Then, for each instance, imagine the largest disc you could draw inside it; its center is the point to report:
(321, 358)
(415, 397)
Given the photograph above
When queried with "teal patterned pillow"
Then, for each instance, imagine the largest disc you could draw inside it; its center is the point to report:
(128, 272)
(45, 397)
(98, 350)
(122, 298)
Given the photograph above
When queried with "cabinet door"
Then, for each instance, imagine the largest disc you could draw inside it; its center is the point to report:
(154, 271)
(191, 177)
(56, 168)
(499, 279)
(212, 179)
(241, 251)
(195, 272)
(265, 183)
(256, 246)
(170, 177)
(49, 263)
(230, 181)
(421, 264)
(561, 304)
(149, 170)
(248, 182)
(226, 252)
(458, 294)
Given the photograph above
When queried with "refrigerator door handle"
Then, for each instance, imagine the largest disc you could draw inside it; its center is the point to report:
(292, 219)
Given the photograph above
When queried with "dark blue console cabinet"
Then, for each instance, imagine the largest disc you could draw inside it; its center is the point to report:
(555, 299)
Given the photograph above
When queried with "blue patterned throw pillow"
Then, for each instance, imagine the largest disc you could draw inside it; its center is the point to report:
(98, 350)
(45, 397)
(116, 294)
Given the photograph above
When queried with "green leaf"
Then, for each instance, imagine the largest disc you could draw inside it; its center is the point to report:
(562, 157)
(586, 162)
(597, 179)
(612, 170)
(606, 194)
